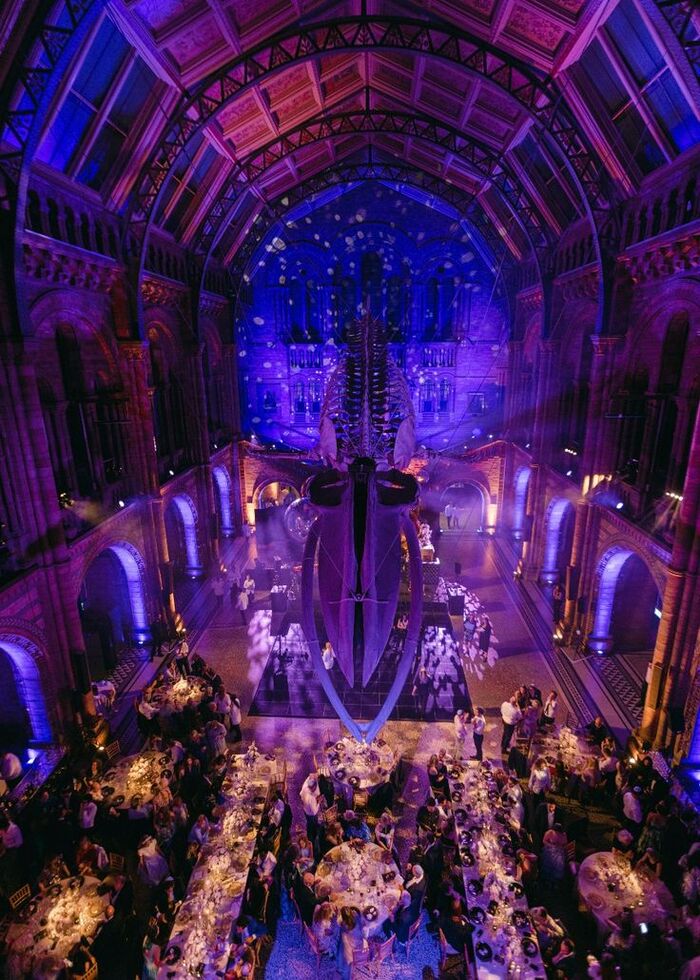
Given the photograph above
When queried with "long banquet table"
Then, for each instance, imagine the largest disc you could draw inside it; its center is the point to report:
(504, 939)
(199, 941)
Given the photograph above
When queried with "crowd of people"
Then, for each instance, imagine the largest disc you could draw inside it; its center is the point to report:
(73, 828)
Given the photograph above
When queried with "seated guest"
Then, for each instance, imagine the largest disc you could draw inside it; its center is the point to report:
(623, 844)
(564, 960)
(384, 830)
(553, 857)
(306, 858)
(90, 858)
(428, 817)
(152, 867)
(10, 834)
(306, 897)
(597, 730)
(414, 884)
(351, 939)
(151, 953)
(53, 872)
(355, 826)
(548, 929)
(437, 775)
(649, 864)
(80, 960)
(454, 924)
(325, 928)
(199, 834)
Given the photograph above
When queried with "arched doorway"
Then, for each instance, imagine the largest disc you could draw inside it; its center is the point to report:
(558, 541)
(181, 531)
(23, 714)
(112, 607)
(468, 504)
(271, 501)
(628, 604)
(522, 484)
(222, 484)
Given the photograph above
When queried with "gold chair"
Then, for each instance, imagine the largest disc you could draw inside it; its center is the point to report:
(19, 897)
(112, 749)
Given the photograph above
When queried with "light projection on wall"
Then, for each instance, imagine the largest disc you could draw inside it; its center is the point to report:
(407, 259)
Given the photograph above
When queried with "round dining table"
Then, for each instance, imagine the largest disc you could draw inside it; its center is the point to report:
(172, 697)
(360, 765)
(364, 876)
(50, 924)
(607, 885)
(135, 775)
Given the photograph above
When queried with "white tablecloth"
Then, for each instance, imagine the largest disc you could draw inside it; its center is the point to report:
(607, 885)
(217, 884)
(355, 871)
(53, 922)
(172, 697)
(360, 765)
(134, 775)
(503, 933)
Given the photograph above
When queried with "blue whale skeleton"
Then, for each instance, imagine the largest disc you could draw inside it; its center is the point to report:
(363, 502)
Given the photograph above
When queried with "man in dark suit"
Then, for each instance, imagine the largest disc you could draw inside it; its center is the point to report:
(108, 945)
(546, 815)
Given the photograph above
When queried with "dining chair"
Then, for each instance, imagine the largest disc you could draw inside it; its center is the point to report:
(330, 814)
(90, 973)
(19, 897)
(448, 955)
(112, 749)
(360, 800)
(413, 931)
(383, 952)
(361, 965)
(313, 944)
(116, 862)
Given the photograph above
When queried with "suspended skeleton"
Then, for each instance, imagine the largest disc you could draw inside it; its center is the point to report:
(363, 501)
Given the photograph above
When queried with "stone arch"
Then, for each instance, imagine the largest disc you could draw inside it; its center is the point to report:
(463, 493)
(521, 486)
(222, 481)
(558, 539)
(112, 602)
(182, 507)
(26, 662)
(616, 624)
(283, 481)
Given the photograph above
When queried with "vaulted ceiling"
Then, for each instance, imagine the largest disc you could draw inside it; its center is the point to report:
(202, 115)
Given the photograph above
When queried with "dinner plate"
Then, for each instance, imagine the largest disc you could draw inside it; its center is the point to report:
(596, 902)
(370, 913)
(492, 907)
(483, 951)
(477, 915)
(516, 888)
(475, 887)
(457, 796)
(107, 790)
(529, 947)
(118, 800)
(520, 918)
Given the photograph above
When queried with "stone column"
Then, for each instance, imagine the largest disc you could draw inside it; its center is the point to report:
(596, 461)
(680, 618)
(541, 450)
(209, 544)
(143, 471)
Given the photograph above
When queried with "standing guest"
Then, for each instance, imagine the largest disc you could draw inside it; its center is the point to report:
(108, 947)
(549, 710)
(461, 726)
(546, 816)
(534, 693)
(10, 768)
(422, 686)
(511, 716)
(557, 603)
(449, 511)
(478, 729)
(222, 705)
(234, 587)
(182, 657)
(151, 953)
(235, 717)
(531, 717)
(632, 809)
(249, 586)
(87, 814)
(242, 606)
(325, 928)
(485, 634)
(328, 655)
(158, 635)
(219, 589)
(216, 737)
(312, 802)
